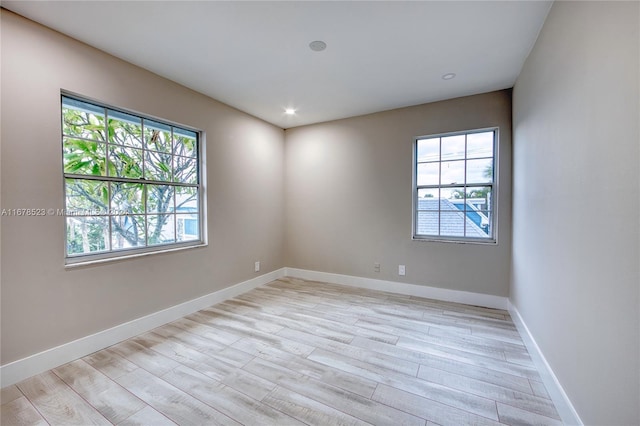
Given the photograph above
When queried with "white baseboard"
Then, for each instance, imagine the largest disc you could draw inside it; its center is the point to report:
(447, 295)
(35, 364)
(563, 404)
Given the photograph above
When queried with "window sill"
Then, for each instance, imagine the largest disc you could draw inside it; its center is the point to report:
(127, 256)
(455, 241)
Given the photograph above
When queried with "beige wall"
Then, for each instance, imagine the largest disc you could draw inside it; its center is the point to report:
(348, 197)
(44, 305)
(575, 276)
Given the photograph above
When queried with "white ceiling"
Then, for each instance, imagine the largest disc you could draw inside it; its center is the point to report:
(255, 56)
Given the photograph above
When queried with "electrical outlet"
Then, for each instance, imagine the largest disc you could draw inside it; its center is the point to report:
(376, 267)
(257, 267)
(401, 270)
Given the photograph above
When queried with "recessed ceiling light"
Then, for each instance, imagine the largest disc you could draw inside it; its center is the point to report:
(290, 111)
(318, 45)
(448, 76)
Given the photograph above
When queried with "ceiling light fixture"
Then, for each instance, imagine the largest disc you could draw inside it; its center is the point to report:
(318, 45)
(289, 111)
(449, 76)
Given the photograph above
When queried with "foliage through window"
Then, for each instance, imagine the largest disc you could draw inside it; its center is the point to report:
(131, 183)
(454, 186)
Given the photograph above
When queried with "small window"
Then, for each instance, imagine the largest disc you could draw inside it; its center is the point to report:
(131, 183)
(454, 186)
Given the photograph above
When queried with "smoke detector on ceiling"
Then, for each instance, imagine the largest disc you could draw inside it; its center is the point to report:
(318, 45)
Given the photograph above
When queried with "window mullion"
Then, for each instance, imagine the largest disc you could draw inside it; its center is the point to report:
(144, 149)
(110, 226)
(464, 191)
(107, 151)
(129, 180)
(440, 186)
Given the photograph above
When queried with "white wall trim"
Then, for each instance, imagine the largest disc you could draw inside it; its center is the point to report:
(35, 364)
(459, 296)
(563, 404)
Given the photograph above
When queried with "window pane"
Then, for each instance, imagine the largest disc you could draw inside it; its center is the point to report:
(480, 145)
(127, 198)
(427, 199)
(187, 227)
(128, 231)
(160, 199)
(157, 136)
(453, 147)
(485, 223)
(186, 199)
(82, 120)
(428, 150)
(428, 174)
(185, 142)
(478, 224)
(125, 129)
(161, 229)
(428, 193)
(452, 224)
(185, 170)
(479, 198)
(82, 157)
(427, 223)
(125, 162)
(157, 166)
(86, 197)
(452, 199)
(449, 193)
(452, 172)
(480, 171)
(87, 234)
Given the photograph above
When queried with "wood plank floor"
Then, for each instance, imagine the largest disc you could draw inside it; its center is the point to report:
(299, 352)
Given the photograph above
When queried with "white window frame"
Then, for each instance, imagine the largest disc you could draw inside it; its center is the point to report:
(110, 254)
(493, 238)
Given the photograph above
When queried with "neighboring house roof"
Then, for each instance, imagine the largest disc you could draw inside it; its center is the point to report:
(452, 220)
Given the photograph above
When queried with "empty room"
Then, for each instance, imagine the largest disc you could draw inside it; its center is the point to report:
(321, 213)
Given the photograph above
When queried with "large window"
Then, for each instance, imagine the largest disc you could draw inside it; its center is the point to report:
(132, 184)
(454, 186)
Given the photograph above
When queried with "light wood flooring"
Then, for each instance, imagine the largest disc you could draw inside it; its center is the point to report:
(299, 352)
